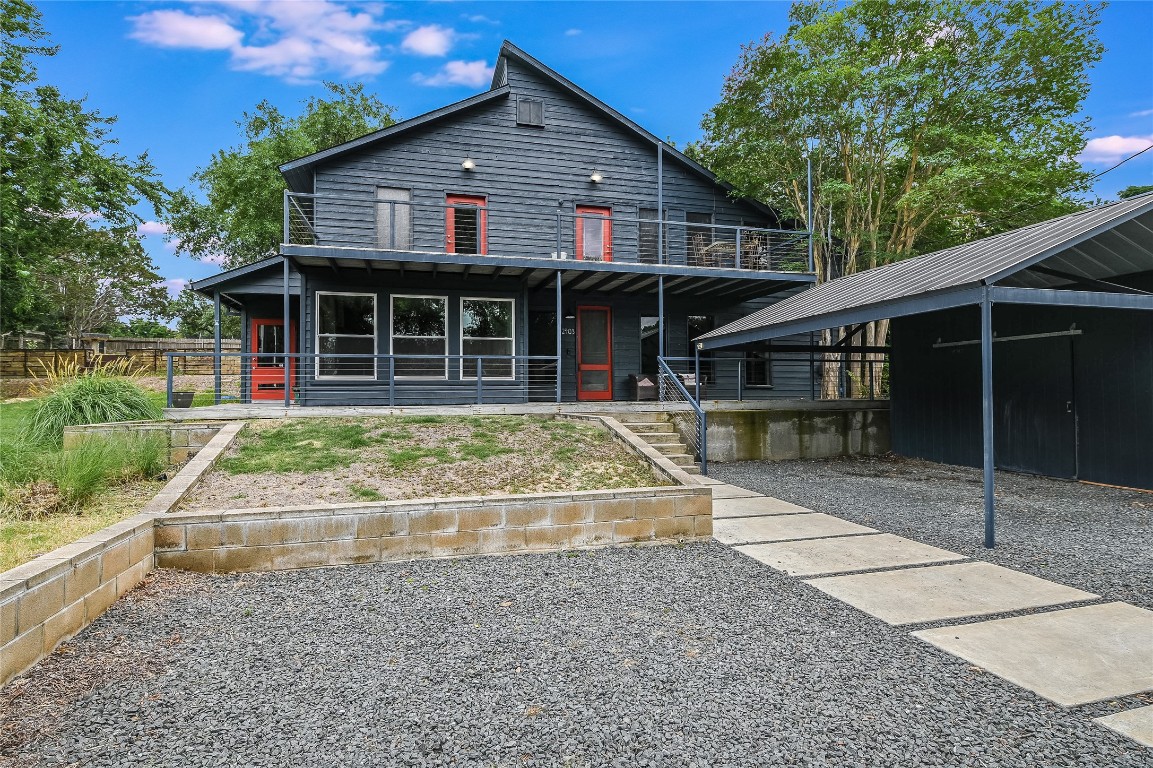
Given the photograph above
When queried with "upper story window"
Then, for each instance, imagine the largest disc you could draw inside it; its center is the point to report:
(465, 224)
(594, 233)
(394, 218)
(529, 111)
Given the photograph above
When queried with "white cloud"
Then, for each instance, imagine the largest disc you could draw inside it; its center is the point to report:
(177, 29)
(1142, 113)
(1110, 149)
(572, 32)
(293, 40)
(213, 258)
(429, 40)
(471, 73)
(175, 285)
(147, 228)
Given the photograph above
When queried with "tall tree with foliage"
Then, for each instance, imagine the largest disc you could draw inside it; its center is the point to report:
(60, 178)
(240, 218)
(195, 317)
(929, 122)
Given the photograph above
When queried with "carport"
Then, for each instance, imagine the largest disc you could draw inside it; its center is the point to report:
(1065, 361)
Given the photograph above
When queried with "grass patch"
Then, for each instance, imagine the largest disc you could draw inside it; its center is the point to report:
(302, 445)
(365, 493)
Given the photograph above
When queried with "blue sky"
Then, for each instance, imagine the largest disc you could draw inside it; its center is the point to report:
(178, 75)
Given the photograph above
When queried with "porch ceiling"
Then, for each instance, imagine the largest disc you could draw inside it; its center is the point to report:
(611, 277)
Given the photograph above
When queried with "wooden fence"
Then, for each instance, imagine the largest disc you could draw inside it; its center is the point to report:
(37, 363)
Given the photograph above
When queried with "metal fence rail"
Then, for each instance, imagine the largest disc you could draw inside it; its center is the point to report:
(805, 373)
(471, 228)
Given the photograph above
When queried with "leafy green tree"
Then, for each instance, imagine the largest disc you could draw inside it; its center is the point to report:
(59, 175)
(932, 122)
(139, 328)
(1134, 190)
(195, 316)
(241, 216)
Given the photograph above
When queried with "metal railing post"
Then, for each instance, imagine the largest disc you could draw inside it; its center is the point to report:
(392, 225)
(697, 371)
(740, 380)
(391, 380)
(738, 258)
(558, 236)
(287, 228)
(479, 380)
(168, 379)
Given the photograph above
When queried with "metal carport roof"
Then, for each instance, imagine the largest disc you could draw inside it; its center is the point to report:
(1040, 263)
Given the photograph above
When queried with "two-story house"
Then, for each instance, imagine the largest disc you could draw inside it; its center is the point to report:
(527, 243)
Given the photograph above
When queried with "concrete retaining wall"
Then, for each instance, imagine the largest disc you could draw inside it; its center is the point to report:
(184, 439)
(56, 595)
(802, 433)
(272, 539)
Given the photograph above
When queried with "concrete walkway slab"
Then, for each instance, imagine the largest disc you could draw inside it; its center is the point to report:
(755, 506)
(1071, 657)
(939, 592)
(749, 530)
(723, 491)
(852, 553)
(1137, 724)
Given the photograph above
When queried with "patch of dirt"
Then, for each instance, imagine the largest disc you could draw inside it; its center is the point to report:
(32, 706)
(535, 459)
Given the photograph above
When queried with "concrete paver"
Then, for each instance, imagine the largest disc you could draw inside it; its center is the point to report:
(754, 506)
(749, 530)
(852, 553)
(917, 595)
(1137, 724)
(1071, 657)
(723, 491)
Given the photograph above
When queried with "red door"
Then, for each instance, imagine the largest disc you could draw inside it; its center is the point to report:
(268, 364)
(594, 233)
(594, 353)
(465, 224)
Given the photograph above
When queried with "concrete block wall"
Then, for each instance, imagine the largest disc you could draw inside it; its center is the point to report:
(184, 439)
(798, 433)
(271, 539)
(51, 598)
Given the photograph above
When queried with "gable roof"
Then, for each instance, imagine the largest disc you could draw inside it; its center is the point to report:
(298, 172)
(1075, 246)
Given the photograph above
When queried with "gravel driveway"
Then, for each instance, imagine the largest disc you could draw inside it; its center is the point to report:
(1090, 537)
(646, 656)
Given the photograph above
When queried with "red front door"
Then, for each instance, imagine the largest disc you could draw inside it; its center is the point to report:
(594, 233)
(594, 353)
(268, 364)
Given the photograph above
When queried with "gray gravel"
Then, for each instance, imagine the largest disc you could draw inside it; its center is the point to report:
(647, 656)
(1089, 537)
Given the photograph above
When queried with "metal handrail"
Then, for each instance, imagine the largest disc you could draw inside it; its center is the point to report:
(701, 441)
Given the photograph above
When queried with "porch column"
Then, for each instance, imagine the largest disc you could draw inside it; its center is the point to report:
(287, 346)
(559, 322)
(660, 316)
(216, 346)
(987, 414)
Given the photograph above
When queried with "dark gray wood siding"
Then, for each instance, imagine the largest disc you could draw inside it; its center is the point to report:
(526, 173)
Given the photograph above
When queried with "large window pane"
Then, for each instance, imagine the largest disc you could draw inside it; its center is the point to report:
(418, 316)
(345, 325)
(418, 328)
(487, 319)
(487, 329)
(492, 368)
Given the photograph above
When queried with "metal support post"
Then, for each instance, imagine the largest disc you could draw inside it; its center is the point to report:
(740, 380)
(558, 233)
(168, 378)
(216, 361)
(697, 371)
(660, 316)
(480, 381)
(287, 335)
(559, 322)
(812, 370)
(661, 204)
(809, 185)
(987, 416)
(287, 228)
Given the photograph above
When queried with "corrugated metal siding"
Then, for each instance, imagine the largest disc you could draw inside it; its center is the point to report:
(936, 406)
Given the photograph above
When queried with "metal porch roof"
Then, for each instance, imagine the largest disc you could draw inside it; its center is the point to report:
(1100, 243)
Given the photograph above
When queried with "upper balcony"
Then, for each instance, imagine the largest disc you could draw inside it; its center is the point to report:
(468, 230)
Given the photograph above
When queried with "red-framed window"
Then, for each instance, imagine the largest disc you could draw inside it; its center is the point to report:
(466, 224)
(594, 233)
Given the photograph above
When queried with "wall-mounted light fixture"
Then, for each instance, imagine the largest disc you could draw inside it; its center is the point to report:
(570, 317)
(468, 164)
(596, 178)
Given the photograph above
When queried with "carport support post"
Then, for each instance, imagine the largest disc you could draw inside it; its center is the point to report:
(559, 321)
(660, 316)
(216, 346)
(287, 346)
(987, 414)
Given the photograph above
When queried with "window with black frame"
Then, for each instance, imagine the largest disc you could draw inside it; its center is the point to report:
(759, 369)
(345, 326)
(419, 341)
(698, 325)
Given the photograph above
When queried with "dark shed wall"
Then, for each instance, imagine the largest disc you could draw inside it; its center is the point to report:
(1106, 371)
(525, 172)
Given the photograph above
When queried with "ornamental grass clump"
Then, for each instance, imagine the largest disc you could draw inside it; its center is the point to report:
(96, 396)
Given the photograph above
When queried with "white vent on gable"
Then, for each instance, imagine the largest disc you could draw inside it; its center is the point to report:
(529, 111)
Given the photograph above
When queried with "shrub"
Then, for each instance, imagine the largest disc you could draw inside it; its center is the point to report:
(99, 461)
(93, 397)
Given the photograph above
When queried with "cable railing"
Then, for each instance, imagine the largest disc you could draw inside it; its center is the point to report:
(783, 372)
(676, 388)
(359, 379)
(477, 228)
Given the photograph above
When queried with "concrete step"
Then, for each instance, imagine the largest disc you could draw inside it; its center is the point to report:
(681, 459)
(646, 426)
(695, 469)
(671, 449)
